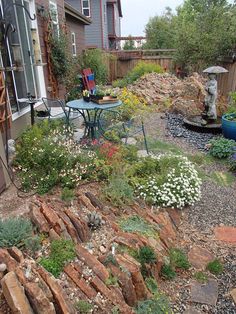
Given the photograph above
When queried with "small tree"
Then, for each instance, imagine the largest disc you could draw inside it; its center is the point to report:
(129, 44)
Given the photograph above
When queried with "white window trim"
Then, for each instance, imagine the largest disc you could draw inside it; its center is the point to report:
(73, 42)
(87, 8)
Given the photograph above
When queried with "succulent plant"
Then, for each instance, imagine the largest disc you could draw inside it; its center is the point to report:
(94, 220)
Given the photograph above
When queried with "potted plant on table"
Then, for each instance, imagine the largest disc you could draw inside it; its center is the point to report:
(86, 95)
(229, 120)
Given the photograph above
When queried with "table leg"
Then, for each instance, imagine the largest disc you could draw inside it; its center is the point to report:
(32, 113)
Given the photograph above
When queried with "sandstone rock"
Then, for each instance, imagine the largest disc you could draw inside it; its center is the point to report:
(69, 226)
(199, 257)
(98, 268)
(39, 220)
(16, 254)
(60, 298)
(205, 293)
(53, 235)
(8, 260)
(14, 294)
(225, 234)
(167, 232)
(38, 299)
(191, 310)
(86, 202)
(80, 226)
(94, 201)
(175, 216)
(233, 295)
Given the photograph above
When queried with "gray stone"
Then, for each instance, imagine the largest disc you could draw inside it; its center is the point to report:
(142, 153)
(3, 267)
(78, 134)
(205, 293)
(129, 141)
(192, 310)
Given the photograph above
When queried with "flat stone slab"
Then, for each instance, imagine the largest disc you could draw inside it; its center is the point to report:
(205, 293)
(191, 310)
(199, 257)
(226, 234)
(233, 295)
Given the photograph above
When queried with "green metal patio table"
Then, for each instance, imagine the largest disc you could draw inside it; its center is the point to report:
(91, 113)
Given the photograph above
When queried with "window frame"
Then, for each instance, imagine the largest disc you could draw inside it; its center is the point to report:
(73, 44)
(86, 8)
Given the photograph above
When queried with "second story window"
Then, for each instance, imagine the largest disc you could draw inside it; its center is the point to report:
(73, 44)
(86, 7)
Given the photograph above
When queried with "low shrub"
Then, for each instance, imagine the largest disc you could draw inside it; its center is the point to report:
(146, 255)
(67, 195)
(168, 272)
(151, 285)
(215, 267)
(178, 259)
(138, 71)
(111, 280)
(222, 148)
(139, 225)
(62, 251)
(159, 304)
(83, 307)
(233, 162)
(33, 244)
(201, 277)
(14, 231)
(166, 180)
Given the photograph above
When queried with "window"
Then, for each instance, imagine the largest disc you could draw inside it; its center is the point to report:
(105, 13)
(54, 17)
(73, 44)
(86, 8)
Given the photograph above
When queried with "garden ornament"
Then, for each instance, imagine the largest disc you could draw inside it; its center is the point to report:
(210, 114)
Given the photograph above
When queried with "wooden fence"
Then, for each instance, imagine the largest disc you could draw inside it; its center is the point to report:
(125, 60)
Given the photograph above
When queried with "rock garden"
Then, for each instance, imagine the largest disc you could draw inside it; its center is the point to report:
(104, 227)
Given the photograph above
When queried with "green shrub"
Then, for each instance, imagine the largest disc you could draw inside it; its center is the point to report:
(201, 277)
(178, 259)
(139, 225)
(62, 251)
(95, 59)
(168, 272)
(14, 231)
(67, 195)
(138, 71)
(83, 307)
(215, 267)
(151, 285)
(118, 191)
(166, 180)
(222, 148)
(111, 280)
(33, 244)
(158, 305)
(146, 255)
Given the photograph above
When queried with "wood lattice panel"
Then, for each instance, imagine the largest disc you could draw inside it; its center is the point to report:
(4, 113)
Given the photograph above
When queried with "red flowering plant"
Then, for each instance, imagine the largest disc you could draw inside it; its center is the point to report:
(109, 152)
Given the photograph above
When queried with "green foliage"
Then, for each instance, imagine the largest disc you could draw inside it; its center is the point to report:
(115, 310)
(67, 194)
(95, 59)
(223, 178)
(168, 272)
(179, 259)
(146, 255)
(111, 280)
(158, 305)
(33, 244)
(118, 191)
(222, 148)
(151, 285)
(160, 31)
(83, 307)
(129, 44)
(201, 277)
(62, 251)
(14, 231)
(215, 267)
(138, 71)
(139, 225)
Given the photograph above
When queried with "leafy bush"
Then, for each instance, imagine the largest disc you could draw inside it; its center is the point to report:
(168, 272)
(158, 305)
(139, 225)
(14, 231)
(62, 251)
(151, 285)
(118, 191)
(46, 155)
(222, 148)
(233, 162)
(215, 267)
(166, 180)
(139, 70)
(146, 255)
(178, 259)
(83, 307)
(67, 194)
(95, 59)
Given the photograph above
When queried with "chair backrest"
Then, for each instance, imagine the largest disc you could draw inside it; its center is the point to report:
(53, 103)
(89, 80)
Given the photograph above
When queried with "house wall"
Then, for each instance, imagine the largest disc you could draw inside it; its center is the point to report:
(110, 19)
(74, 26)
(117, 21)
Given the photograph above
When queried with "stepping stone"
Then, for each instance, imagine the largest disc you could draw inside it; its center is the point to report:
(226, 234)
(78, 134)
(205, 293)
(233, 295)
(142, 153)
(130, 141)
(192, 310)
(199, 257)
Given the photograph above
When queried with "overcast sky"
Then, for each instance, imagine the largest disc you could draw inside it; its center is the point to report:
(136, 14)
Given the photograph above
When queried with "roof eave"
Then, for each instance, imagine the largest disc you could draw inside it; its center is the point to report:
(76, 14)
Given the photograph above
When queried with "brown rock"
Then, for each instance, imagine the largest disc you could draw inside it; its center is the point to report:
(16, 254)
(43, 285)
(233, 295)
(38, 299)
(14, 294)
(53, 235)
(38, 219)
(94, 201)
(60, 298)
(175, 216)
(167, 232)
(69, 226)
(86, 202)
(91, 260)
(80, 282)
(199, 257)
(80, 226)
(225, 234)
(8, 260)
(205, 293)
